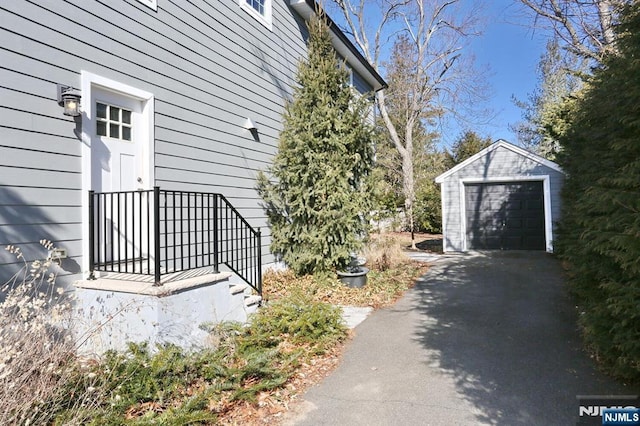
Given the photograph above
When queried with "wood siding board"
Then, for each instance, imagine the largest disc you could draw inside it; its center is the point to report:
(20, 175)
(238, 157)
(178, 41)
(20, 234)
(126, 49)
(21, 214)
(219, 120)
(32, 141)
(26, 120)
(11, 79)
(34, 250)
(216, 187)
(38, 69)
(215, 175)
(216, 120)
(40, 195)
(231, 32)
(188, 176)
(205, 165)
(180, 127)
(118, 65)
(18, 157)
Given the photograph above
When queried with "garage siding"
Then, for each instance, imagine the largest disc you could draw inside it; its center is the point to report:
(502, 162)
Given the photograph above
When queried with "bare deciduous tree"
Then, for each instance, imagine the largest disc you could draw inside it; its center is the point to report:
(586, 27)
(441, 75)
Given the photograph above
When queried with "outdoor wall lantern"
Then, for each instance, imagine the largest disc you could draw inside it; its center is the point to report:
(69, 98)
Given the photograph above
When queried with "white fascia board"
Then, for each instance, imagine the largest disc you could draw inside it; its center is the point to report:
(504, 144)
(306, 11)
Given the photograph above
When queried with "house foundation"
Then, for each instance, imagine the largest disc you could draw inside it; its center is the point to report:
(110, 313)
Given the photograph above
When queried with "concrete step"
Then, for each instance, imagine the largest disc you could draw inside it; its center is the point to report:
(252, 300)
(238, 288)
(252, 303)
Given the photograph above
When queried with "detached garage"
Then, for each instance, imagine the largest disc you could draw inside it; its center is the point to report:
(502, 198)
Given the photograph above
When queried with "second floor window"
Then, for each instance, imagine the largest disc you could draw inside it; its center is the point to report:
(260, 9)
(258, 5)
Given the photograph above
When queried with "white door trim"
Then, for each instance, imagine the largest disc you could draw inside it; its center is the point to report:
(546, 187)
(88, 81)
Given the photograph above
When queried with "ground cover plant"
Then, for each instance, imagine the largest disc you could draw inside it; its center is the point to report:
(248, 373)
(171, 386)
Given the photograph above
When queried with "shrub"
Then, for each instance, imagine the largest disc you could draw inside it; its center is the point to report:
(300, 320)
(600, 232)
(35, 347)
(392, 273)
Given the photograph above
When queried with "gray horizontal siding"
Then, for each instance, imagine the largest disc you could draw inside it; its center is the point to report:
(501, 162)
(40, 165)
(209, 65)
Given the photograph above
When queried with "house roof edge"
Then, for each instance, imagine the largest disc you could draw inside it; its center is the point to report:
(342, 44)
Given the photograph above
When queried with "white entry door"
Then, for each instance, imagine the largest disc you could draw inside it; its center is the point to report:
(118, 144)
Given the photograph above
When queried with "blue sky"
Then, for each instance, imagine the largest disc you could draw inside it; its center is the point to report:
(511, 49)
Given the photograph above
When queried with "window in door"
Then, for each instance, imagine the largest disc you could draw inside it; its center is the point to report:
(113, 122)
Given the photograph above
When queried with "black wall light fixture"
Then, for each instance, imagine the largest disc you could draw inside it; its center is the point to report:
(69, 99)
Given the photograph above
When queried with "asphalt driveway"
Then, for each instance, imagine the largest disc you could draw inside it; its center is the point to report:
(482, 339)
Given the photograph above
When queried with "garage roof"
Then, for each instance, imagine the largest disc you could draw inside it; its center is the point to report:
(500, 143)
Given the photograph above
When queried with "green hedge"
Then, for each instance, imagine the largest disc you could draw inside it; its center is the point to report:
(600, 231)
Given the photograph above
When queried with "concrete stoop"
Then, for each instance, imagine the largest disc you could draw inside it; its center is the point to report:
(111, 312)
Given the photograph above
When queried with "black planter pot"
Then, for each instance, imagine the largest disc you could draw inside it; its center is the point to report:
(356, 278)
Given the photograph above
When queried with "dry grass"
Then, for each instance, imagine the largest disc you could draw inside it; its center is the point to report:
(385, 251)
(36, 349)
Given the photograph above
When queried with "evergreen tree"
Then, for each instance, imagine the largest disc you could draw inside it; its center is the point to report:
(317, 198)
(543, 113)
(467, 145)
(600, 229)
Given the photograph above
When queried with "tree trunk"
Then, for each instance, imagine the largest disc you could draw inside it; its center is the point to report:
(408, 186)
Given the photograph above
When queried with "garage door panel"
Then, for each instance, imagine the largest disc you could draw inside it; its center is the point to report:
(535, 223)
(507, 216)
(513, 225)
(514, 205)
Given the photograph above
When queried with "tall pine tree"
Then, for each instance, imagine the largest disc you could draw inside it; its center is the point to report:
(315, 194)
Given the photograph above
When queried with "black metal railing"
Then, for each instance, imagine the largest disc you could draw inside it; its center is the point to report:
(158, 232)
